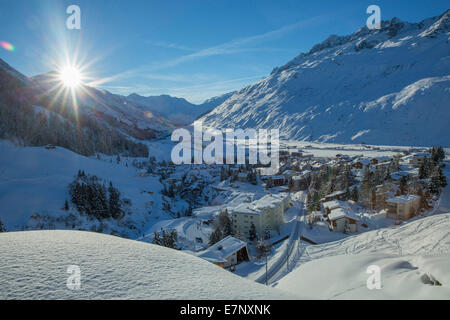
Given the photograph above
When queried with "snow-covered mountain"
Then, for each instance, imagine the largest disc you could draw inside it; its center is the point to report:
(116, 110)
(178, 110)
(388, 86)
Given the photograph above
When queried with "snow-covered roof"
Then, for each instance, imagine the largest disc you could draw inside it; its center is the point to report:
(382, 158)
(220, 251)
(364, 162)
(339, 213)
(334, 204)
(403, 199)
(255, 207)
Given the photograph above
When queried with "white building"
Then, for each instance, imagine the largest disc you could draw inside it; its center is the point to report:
(267, 212)
(403, 207)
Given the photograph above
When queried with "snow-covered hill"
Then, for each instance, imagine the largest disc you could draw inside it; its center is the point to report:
(34, 266)
(116, 110)
(388, 86)
(34, 185)
(411, 258)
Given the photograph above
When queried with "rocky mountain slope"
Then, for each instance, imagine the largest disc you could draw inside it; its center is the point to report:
(387, 86)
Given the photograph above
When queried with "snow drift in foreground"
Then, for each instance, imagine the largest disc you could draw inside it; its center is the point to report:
(345, 277)
(412, 258)
(387, 86)
(34, 266)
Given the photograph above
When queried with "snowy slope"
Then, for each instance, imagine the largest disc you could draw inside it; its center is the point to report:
(34, 266)
(34, 180)
(387, 86)
(407, 255)
(116, 110)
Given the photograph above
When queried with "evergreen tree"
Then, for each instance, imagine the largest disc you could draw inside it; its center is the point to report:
(215, 236)
(157, 239)
(2, 227)
(355, 195)
(115, 205)
(66, 205)
(437, 180)
(252, 232)
(403, 184)
(347, 192)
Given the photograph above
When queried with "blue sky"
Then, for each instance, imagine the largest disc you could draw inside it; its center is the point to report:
(194, 49)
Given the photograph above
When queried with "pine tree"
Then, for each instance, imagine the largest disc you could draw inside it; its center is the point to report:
(252, 232)
(66, 205)
(291, 185)
(115, 205)
(2, 227)
(355, 195)
(347, 192)
(215, 236)
(157, 239)
(403, 184)
(437, 180)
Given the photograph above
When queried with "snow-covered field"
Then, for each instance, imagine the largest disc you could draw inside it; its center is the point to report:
(35, 180)
(408, 255)
(34, 266)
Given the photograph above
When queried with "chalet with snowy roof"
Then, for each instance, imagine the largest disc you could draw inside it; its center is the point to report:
(227, 252)
(403, 207)
(361, 163)
(343, 220)
(377, 160)
(336, 195)
(340, 216)
(266, 212)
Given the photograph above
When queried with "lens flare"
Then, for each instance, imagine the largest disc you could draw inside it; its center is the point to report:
(70, 77)
(7, 46)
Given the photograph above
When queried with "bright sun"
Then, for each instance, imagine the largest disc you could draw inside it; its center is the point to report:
(70, 77)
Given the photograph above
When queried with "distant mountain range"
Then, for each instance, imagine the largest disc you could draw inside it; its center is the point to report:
(122, 119)
(177, 110)
(389, 86)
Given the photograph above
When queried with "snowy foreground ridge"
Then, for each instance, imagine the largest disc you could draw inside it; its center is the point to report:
(34, 266)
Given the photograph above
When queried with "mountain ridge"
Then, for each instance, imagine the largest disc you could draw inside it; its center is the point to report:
(344, 89)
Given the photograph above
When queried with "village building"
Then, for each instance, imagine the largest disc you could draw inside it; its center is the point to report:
(278, 180)
(267, 212)
(403, 207)
(361, 163)
(227, 252)
(378, 160)
(337, 195)
(340, 216)
(301, 182)
(343, 220)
